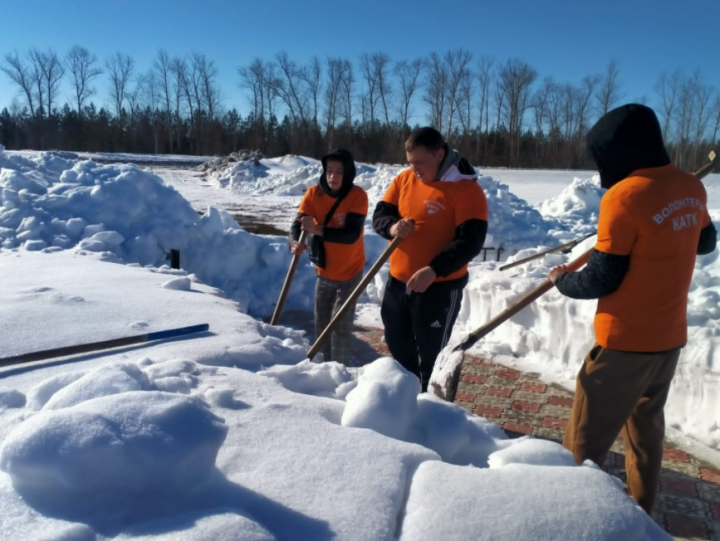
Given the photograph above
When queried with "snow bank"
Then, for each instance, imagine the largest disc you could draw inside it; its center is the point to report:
(124, 214)
(575, 209)
(130, 442)
(522, 502)
(513, 223)
(107, 452)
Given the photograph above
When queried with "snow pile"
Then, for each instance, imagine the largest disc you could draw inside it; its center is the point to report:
(385, 399)
(122, 213)
(576, 208)
(149, 442)
(456, 503)
(132, 442)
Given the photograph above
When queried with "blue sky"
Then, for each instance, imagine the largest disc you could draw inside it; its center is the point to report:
(563, 38)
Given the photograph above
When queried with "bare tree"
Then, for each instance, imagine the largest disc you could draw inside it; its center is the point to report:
(668, 89)
(290, 87)
(163, 74)
(208, 93)
(51, 72)
(465, 101)
(348, 83)
(253, 78)
(609, 91)
(312, 75)
(81, 64)
(408, 74)
(22, 76)
(153, 100)
(369, 99)
(484, 76)
(120, 68)
(436, 86)
(516, 79)
(702, 99)
(179, 71)
(381, 65)
(457, 70)
(333, 89)
(135, 94)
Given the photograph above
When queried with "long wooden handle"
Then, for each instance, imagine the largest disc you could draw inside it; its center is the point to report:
(566, 246)
(105, 344)
(286, 286)
(353, 297)
(514, 308)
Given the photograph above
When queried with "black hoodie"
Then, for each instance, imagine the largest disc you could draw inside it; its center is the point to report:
(624, 140)
(354, 223)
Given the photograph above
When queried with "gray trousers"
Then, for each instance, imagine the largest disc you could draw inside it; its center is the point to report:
(329, 297)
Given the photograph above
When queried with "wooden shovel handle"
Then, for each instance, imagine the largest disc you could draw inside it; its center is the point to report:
(514, 308)
(353, 297)
(286, 286)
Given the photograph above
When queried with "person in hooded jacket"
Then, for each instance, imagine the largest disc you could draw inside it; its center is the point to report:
(439, 210)
(652, 223)
(333, 212)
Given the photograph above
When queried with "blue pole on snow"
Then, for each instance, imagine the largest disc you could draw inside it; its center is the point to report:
(105, 344)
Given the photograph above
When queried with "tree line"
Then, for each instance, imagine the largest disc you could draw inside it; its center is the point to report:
(495, 113)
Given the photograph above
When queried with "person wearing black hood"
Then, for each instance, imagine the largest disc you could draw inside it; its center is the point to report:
(652, 223)
(333, 213)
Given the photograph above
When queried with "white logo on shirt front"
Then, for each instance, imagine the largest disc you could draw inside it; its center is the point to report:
(433, 207)
(339, 220)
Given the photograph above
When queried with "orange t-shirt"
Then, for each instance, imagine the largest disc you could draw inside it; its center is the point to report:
(655, 217)
(437, 209)
(342, 261)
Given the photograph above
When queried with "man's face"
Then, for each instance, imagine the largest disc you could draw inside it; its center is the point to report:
(334, 174)
(425, 163)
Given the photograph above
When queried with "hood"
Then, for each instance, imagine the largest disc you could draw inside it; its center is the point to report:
(349, 172)
(454, 167)
(624, 140)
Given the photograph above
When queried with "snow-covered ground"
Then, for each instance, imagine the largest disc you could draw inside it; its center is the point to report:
(231, 434)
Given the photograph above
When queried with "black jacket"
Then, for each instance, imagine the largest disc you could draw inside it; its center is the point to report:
(622, 141)
(354, 223)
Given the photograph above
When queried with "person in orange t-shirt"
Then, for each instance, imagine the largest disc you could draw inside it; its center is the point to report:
(652, 223)
(333, 212)
(440, 211)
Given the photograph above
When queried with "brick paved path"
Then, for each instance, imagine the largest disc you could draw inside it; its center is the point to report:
(688, 504)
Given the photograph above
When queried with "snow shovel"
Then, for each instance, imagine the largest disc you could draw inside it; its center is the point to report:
(562, 248)
(448, 366)
(353, 297)
(286, 286)
(105, 344)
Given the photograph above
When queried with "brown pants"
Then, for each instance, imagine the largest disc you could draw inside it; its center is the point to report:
(620, 390)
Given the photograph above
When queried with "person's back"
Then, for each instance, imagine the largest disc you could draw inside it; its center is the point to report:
(652, 223)
(658, 214)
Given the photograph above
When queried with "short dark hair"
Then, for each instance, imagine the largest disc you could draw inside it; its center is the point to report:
(426, 137)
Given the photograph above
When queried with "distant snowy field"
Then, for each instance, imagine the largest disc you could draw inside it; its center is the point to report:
(231, 434)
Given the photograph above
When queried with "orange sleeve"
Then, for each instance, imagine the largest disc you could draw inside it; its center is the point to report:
(392, 194)
(306, 205)
(359, 204)
(471, 205)
(616, 230)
